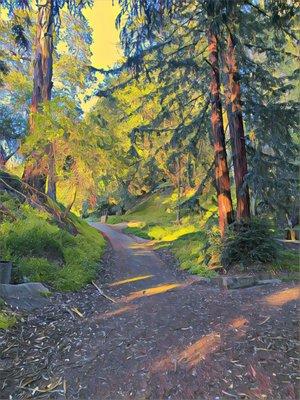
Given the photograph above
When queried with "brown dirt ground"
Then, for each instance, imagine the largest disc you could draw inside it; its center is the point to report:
(165, 337)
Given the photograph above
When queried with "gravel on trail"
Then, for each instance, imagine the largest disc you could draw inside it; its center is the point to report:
(164, 336)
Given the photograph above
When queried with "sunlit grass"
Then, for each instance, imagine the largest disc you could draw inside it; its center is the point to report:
(193, 240)
(43, 250)
(155, 219)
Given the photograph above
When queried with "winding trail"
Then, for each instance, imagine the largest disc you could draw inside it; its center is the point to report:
(135, 262)
(165, 337)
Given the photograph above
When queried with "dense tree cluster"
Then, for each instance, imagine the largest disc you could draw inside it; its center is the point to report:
(205, 101)
(235, 56)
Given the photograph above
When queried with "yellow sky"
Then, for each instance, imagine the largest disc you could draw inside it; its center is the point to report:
(105, 46)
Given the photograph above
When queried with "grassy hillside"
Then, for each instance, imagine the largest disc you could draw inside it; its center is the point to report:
(44, 242)
(195, 241)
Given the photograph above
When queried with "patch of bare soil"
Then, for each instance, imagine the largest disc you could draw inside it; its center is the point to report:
(162, 337)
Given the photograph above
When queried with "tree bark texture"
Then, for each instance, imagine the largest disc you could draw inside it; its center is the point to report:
(236, 129)
(35, 173)
(221, 166)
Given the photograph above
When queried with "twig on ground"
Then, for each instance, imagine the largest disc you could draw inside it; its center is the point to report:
(102, 293)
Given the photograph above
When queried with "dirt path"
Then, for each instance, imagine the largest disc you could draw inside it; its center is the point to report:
(165, 337)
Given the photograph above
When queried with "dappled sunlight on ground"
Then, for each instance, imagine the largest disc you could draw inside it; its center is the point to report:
(150, 291)
(134, 279)
(238, 322)
(283, 296)
(191, 355)
(196, 352)
(117, 312)
(145, 245)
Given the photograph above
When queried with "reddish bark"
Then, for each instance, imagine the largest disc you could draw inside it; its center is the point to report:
(236, 129)
(221, 166)
(34, 173)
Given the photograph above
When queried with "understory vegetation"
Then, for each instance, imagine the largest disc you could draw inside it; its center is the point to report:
(196, 243)
(44, 248)
(7, 319)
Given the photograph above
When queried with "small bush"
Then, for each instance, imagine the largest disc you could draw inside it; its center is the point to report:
(248, 243)
(45, 252)
(73, 277)
(115, 219)
(6, 320)
(38, 269)
(32, 237)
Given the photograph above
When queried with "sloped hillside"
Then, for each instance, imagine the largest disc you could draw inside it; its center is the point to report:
(45, 242)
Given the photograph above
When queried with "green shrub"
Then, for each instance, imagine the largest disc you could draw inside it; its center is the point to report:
(6, 320)
(32, 237)
(287, 260)
(202, 270)
(247, 243)
(73, 277)
(43, 251)
(38, 269)
(81, 256)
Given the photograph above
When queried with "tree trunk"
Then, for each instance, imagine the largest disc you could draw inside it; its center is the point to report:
(43, 62)
(2, 158)
(42, 86)
(179, 190)
(221, 166)
(51, 182)
(34, 173)
(236, 129)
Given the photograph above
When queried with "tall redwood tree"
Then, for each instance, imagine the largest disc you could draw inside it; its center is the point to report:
(221, 165)
(236, 129)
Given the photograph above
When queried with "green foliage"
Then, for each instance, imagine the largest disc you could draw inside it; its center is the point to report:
(247, 243)
(287, 260)
(190, 250)
(74, 277)
(33, 236)
(45, 252)
(155, 218)
(37, 269)
(7, 320)
(137, 232)
(116, 219)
